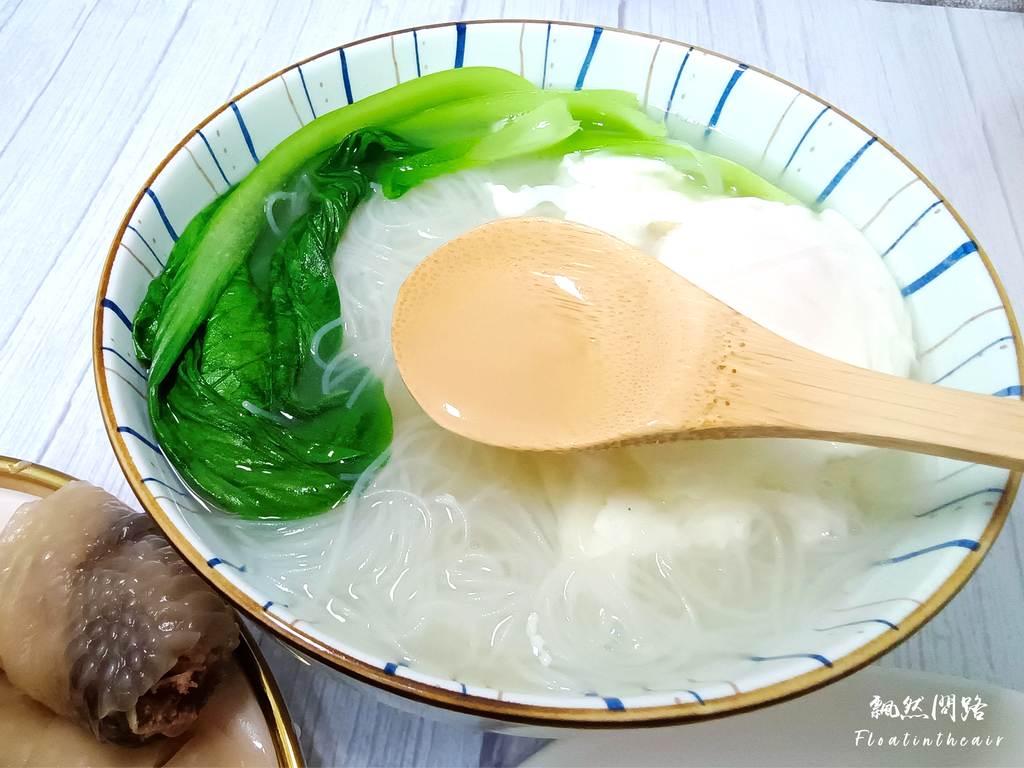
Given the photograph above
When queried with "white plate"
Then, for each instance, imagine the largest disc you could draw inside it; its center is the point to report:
(40, 481)
(10, 501)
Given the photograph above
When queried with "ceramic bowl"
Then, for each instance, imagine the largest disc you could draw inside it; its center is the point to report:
(965, 331)
(23, 481)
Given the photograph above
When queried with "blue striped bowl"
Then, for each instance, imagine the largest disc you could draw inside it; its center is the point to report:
(966, 335)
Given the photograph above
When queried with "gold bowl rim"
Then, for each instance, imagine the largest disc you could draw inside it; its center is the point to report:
(533, 714)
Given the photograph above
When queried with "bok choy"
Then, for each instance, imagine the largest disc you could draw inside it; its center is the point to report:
(239, 329)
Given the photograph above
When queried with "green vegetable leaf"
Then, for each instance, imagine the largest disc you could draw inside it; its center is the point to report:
(146, 319)
(405, 172)
(239, 324)
(230, 234)
(245, 416)
(600, 111)
(612, 112)
(245, 462)
(534, 131)
(541, 128)
(238, 337)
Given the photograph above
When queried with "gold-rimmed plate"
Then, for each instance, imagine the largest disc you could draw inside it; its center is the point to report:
(23, 481)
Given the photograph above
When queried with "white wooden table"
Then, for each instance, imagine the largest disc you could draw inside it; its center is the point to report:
(93, 95)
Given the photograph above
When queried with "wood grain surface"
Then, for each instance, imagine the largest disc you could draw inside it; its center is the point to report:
(94, 94)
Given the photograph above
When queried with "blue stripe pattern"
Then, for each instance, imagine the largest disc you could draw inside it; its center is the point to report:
(965, 543)
(163, 216)
(877, 602)
(977, 354)
(165, 485)
(957, 501)
(675, 85)
(344, 75)
(214, 154)
(889, 624)
(117, 311)
(844, 170)
(302, 77)
(214, 562)
(907, 230)
(133, 229)
(125, 359)
(588, 58)
(612, 703)
(964, 250)
(460, 45)
(725, 95)
(816, 656)
(544, 73)
(800, 143)
(133, 433)
(245, 132)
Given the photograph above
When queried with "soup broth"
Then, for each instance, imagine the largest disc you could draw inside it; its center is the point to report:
(619, 571)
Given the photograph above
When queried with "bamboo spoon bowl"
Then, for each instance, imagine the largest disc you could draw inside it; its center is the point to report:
(965, 332)
(542, 334)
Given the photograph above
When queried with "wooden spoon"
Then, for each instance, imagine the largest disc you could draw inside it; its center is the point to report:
(543, 334)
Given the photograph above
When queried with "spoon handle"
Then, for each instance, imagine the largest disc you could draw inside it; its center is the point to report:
(802, 394)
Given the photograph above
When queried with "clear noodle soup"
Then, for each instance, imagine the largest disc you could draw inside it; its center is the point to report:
(620, 571)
